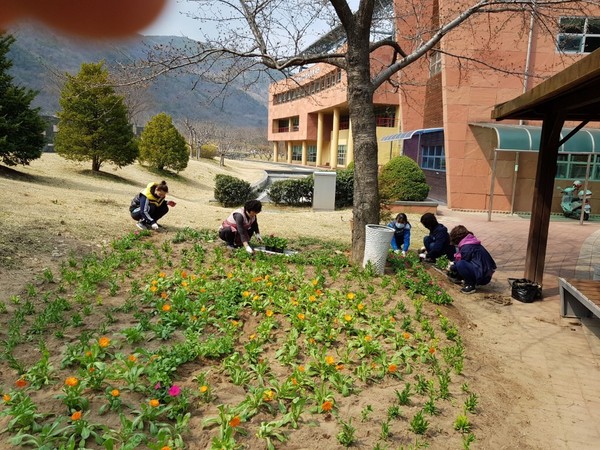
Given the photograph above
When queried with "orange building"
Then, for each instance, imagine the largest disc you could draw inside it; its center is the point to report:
(441, 117)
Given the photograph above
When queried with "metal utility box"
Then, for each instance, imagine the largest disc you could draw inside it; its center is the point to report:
(324, 191)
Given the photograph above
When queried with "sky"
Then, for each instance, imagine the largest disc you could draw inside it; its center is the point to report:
(173, 23)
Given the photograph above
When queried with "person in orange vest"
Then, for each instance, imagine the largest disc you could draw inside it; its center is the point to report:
(241, 225)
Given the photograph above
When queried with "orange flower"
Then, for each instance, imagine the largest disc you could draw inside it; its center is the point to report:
(103, 342)
(76, 416)
(300, 316)
(360, 306)
(234, 422)
(21, 383)
(131, 358)
(368, 338)
(166, 447)
(164, 295)
(294, 381)
(203, 388)
(115, 393)
(162, 275)
(432, 350)
(327, 406)
(300, 368)
(154, 403)
(71, 381)
(6, 398)
(229, 275)
(339, 367)
(392, 319)
(184, 274)
(392, 368)
(330, 360)
(406, 335)
(153, 289)
(311, 340)
(318, 292)
(269, 313)
(350, 295)
(166, 307)
(88, 354)
(154, 282)
(234, 323)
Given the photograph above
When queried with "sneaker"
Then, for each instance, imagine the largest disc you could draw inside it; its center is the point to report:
(141, 225)
(468, 289)
(454, 279)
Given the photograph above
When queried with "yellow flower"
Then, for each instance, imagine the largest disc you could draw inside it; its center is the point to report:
(269, 284)
(76, 416)
(347, 317)
(329, 360)
(312, 298)
(268, 395)
(252, 337)
(269, 313)
(71, 381)
(162, 275)
(154, 282)
(184, 283)
(256, 297)
(315, 282)
(300, 316)
(103, 342)
(203, 309)
(406, 335)
(6, 398)
(350, 295)
(203, 388)
(245, 294)
(339, 367)
(164, 295)
(153, 289)
(154, 403)
(300, 368)
(115, 393)
(234, 323)
(229, 275)
(360, 306)
(368, 338)
(166, 307)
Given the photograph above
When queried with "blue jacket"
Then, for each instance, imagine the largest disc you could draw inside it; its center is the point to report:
(401, 238)
(437, 243)
(471, 250)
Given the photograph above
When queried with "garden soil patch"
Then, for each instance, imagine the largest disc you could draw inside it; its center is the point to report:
(54, 211)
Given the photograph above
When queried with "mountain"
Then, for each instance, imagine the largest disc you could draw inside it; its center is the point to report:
(41, 57)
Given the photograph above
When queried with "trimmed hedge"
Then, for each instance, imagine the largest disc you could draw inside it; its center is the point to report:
(231, 191)
(402, 179)
(294, 191)
(344, 187)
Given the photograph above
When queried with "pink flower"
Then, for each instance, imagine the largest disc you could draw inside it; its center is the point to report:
(174, 391)
(157, 386)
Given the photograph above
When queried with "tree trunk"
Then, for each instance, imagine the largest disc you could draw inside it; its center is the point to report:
(96, 163)
(362, 114)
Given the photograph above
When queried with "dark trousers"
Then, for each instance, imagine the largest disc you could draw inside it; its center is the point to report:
(233, 237)
(156, 212)
(467, 272)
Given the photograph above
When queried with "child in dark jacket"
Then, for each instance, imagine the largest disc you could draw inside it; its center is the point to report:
(437, 243)
(472, 262)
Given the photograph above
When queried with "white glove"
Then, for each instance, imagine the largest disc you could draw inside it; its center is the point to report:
(155, 226)
(258, 237)
(249, 250)
(422, 255)
(403, 253)
(450, 265)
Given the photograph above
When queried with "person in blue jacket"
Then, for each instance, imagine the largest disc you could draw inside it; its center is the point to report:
(401, 238)
(472, 263)
(437, 243)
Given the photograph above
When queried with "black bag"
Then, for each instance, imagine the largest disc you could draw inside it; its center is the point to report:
(525, 290)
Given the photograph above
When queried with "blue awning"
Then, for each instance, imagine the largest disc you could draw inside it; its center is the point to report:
(526, 138)
(409, 134)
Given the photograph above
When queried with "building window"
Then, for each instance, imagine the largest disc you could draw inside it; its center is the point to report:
(311, 155)
(578, 34)
(433, 158)
(283, 125)
(296, 153)
(341, 155)
(574, 167)
(385, 117)
(295, 123)
(435, 63)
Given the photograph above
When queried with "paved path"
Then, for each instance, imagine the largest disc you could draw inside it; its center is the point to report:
(562, 355)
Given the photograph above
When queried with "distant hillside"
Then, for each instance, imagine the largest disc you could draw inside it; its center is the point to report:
(39, 54)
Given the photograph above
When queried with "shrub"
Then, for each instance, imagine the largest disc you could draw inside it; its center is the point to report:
(402, 179)
(344, 187)
(208, 151)
(295, 191)
(231, 191)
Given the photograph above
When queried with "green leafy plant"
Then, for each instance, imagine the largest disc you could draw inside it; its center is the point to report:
(273, 241)
(346, 436)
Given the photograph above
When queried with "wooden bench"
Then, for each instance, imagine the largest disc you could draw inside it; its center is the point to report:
(579, 298)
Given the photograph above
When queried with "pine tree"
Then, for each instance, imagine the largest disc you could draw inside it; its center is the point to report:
(162, 146)
(21, 126)
(93, 123)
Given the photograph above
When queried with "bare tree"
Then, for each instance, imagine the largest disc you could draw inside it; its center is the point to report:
(253, 34)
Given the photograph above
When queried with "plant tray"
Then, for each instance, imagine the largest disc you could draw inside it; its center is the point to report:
(275, 251)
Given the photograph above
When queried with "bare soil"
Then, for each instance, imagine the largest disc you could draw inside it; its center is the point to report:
(54, 210)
